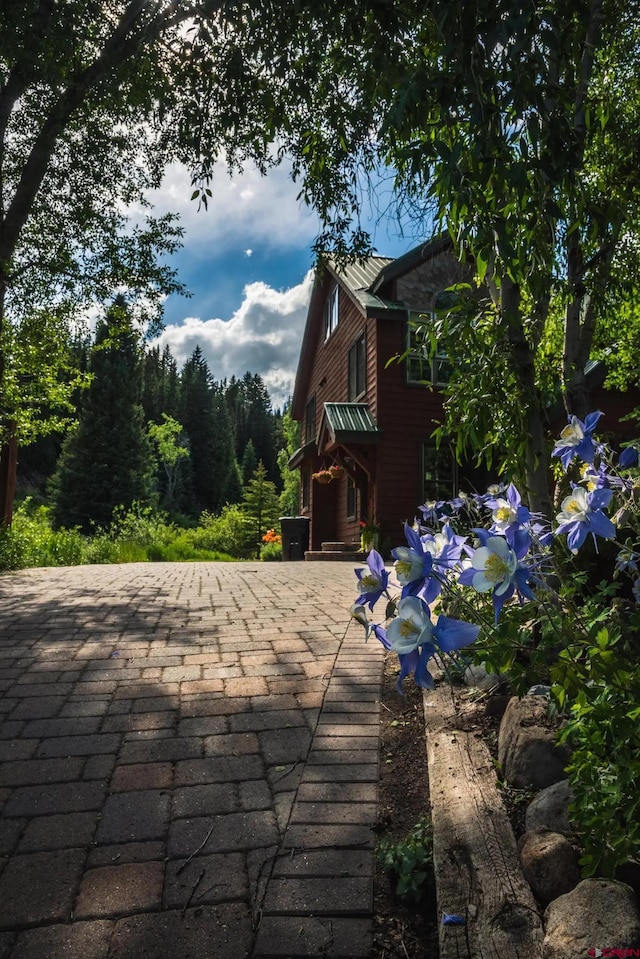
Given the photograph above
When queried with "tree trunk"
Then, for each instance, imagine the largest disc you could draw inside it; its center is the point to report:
(8, 466)
(536, 464)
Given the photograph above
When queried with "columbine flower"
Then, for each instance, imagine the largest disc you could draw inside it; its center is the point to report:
(628, 458)
(415, 639)
(413, 564)
(446, 549)
(359, 613)
(511, 519)
(576, 439)
(627, 560)
(581, 514)
(495, 567)
(373, 581)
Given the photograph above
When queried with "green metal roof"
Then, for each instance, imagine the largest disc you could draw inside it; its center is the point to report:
(360, 276)
(350, 421)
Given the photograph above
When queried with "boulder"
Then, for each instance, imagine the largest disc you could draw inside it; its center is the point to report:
(598, 914)
(550, 864)
(550, 809)
(478, 677)
(527, 751)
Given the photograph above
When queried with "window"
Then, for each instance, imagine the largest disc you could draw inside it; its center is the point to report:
(421, 366)
(310, 421)
(331, 313)
(305, 491)
(352, 499)
(439, 472)
(357, 368)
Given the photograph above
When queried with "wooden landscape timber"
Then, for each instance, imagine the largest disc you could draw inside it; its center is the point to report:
(477, 867)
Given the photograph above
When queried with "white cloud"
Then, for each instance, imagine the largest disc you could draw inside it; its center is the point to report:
(263, 336)
(246, 211)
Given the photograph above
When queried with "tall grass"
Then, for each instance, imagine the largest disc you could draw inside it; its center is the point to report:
(136, 535)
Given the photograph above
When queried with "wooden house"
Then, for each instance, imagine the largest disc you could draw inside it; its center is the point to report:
(371, 418)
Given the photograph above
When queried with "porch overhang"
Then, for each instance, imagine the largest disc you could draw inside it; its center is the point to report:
(347, 425)
(308, 451)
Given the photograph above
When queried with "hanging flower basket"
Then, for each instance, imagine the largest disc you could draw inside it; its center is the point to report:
(336, 471)
(322, 476)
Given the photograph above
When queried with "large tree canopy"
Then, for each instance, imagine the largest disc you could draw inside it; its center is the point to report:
(516, 126)
(513, 124)
(95, 99)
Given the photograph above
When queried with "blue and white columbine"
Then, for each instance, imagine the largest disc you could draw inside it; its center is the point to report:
(582, 513)
(577, 439)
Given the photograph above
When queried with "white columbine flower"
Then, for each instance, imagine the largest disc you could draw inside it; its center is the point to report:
(496, 564)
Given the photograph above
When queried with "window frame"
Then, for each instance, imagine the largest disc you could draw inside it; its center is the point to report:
(441, 489)
(433, 366)
(358, 349)
(310, 420)
(331, 311)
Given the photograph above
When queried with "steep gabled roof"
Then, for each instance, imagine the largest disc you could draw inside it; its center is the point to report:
(368, 283)
(408, 261)
(356, 279)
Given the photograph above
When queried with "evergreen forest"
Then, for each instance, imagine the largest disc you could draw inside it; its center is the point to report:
(155, 452)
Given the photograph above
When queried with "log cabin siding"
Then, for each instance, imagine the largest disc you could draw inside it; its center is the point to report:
(329, 383)
(329, 377)
(407, 415)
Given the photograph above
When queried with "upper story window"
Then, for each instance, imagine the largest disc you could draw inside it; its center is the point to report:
(357, 372)
(331, 312)
(310, 421)
(439, 472)
(423, 365)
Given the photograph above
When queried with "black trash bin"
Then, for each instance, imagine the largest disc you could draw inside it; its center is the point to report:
(295, 536)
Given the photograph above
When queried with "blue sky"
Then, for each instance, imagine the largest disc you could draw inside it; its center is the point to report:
(247, 261)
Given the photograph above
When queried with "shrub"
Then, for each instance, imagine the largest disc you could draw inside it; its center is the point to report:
(271, 552)
(225, 533)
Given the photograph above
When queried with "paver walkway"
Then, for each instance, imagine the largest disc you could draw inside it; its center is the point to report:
(188, 763)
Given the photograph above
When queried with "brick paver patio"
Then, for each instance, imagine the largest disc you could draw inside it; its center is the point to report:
(188, 763)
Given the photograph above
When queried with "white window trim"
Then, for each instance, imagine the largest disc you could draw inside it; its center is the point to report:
(331, 311)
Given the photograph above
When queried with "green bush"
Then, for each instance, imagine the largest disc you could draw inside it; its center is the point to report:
(142, 526)
(271, 552)
(183, 550)
(137, 535)
(30, 541)
(225, 533)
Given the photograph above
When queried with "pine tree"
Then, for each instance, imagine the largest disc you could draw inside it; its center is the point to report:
(224, 458)
(235, 485)
(107, 460)
(260, 506)
(260, 424)
(196, 415)
(249, 462)
(205, 417)
(290, 495)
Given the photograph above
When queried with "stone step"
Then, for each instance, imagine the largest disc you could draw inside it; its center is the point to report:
(333, 557)
(340, 547)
